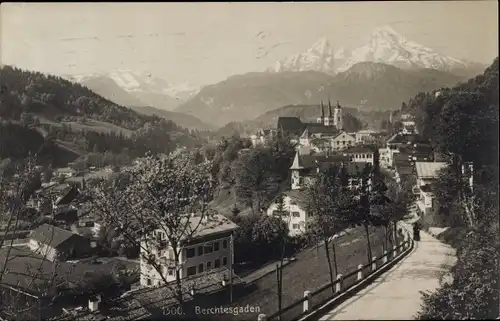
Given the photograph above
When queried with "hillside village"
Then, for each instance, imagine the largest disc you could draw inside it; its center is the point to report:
(68, 232)
(336, 184)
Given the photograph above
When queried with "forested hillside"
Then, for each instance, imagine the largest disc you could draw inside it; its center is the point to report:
(462, 123)
(62, 111)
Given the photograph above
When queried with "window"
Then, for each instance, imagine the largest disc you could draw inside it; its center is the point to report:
(224, 244)
(224, 261)
(295, 214)
(216, 245)
(190, 252)
(200, 268)
(191, 270)
(209, 265)
(148, 281)
(217, 263)
(170, 272)
(343, 142)
(208, 248)
(338, 118)
(200, 250)
(295, 226)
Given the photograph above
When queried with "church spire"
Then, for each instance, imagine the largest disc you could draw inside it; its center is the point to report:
(322, 110)
(338, 104)
(329, 109)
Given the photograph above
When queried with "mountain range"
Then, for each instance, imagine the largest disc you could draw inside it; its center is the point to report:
(385, 45)
(131, 88)
(143, 93)
(369, 85)
(380, 74)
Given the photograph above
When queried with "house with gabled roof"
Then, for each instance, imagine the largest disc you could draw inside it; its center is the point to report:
(55, 243)
(295, 211)
(343, 141)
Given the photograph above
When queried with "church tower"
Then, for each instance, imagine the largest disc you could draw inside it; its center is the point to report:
(329, 120)
(337, 117)
(321, 120)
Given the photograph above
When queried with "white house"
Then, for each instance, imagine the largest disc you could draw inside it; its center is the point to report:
(262, 136)
(360, 154)
(343, 141)
(209, 247)
(295, 211)
(427, 174)
(365, 136)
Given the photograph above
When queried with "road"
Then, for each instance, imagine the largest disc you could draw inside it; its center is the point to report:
(308, 272)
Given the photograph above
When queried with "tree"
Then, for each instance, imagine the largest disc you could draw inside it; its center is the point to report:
(255, 180)
(330, 204)
(15, 191)
(163, 194)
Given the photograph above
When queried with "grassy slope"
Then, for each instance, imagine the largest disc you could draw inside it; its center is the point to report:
(309, 272)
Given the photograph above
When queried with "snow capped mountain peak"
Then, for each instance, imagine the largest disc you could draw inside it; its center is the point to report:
(141, 82)
(388, 46)
(319, 57)
(385, 45)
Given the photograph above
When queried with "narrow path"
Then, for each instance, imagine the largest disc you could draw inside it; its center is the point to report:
(396, 294)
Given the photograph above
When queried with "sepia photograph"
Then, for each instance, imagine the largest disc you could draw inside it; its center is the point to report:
(249, 161)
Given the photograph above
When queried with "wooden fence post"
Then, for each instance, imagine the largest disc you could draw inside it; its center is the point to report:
(360, 272)
(384, 257)
(338, 286)
(374, 263)
(306, 301)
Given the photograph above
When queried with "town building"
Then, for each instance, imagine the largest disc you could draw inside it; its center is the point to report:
(366, 136)
(427, 174)
(295, 211)
(317, 135)
(208, 247)
(57, 244)
(262, 136)
(343, 141)
(290, 127)
(363, 154)
(305, 167)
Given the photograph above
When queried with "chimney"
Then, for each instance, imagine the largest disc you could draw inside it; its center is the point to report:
(94, 303)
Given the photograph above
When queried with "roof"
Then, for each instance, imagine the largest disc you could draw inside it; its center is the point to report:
(346, 134)
(209, 225)
(317, 128)
(299, 197)
(206, 283)
(51, 235)
(429, 169)
(359, 149)
(68, 196)
(404, 169)
(316, 160)
(290, 125)
(366, 132)
(401, 158)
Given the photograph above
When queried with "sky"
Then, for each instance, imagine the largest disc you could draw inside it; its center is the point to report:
(203, 43)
